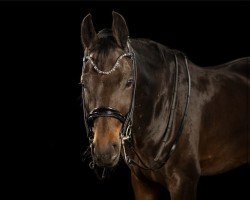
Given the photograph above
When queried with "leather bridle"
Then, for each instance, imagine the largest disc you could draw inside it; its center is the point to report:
(127, 120)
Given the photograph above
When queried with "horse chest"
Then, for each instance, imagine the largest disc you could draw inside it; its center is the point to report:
(158, 176)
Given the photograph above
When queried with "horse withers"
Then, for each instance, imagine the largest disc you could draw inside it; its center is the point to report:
(171, 120)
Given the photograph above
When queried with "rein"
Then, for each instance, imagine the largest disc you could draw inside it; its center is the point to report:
(173, 106)
(127, 120)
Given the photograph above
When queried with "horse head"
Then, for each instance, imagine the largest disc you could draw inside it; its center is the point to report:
(108, 85)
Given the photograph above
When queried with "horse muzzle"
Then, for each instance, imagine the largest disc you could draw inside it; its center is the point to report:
(106, 158)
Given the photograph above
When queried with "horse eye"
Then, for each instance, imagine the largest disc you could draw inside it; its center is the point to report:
(129, 83)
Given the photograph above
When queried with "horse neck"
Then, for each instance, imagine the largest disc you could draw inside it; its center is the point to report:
(156, 68)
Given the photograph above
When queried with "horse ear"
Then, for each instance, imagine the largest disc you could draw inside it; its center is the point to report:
(88, 34)
(120, 29)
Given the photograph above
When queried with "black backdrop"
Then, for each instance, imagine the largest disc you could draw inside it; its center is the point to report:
(41, 66)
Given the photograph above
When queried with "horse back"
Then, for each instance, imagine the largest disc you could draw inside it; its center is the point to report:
(239, 66)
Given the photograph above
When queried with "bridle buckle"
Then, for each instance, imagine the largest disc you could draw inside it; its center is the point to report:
(127, 135)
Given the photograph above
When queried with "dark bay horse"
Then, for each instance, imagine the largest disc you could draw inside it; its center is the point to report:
(171, 120)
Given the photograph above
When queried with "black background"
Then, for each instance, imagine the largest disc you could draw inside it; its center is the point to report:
(40, 71)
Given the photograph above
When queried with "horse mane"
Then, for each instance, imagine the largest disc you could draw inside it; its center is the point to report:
(104, 33)
(106, 43)
(153, 52)
(159, 52)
